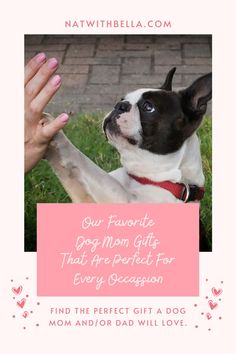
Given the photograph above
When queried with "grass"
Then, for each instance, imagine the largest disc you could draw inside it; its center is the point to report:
(84, 130)
(205, 135)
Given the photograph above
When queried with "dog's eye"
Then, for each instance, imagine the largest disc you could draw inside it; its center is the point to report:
(148, 107)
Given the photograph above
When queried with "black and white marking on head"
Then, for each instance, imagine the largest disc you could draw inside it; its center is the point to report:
(168, 118)
(160, 120)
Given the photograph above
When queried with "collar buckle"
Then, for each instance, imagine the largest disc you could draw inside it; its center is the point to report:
(185, 193)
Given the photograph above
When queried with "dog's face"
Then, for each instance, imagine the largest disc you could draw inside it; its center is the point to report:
(159, 120)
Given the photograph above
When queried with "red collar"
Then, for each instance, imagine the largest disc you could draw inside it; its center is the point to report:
(182, 191)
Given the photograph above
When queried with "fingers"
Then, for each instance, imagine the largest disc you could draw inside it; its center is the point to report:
(41, 100)
(35, 85)
(33, 66)
(53, 127)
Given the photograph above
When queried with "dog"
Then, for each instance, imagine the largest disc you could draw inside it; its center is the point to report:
(154, 131)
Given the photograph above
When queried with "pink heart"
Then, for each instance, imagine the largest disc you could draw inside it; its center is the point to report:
(25, 314)
(21, 303)
(216, 292)
(18, 290)
(208, 316)
(212, 304)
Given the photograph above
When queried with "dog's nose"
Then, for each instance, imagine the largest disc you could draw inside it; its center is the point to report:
(123, 106)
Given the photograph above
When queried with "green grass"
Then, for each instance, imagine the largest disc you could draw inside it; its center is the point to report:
(205, 134)
(84, 130)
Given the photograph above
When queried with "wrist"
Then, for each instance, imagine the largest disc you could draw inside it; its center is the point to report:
(33, 154)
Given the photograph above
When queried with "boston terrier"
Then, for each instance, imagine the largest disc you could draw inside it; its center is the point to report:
(154, 131)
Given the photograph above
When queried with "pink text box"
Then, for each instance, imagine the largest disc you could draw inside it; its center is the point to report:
(118, 249)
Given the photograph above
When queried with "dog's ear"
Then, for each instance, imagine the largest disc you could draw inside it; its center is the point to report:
(195, 97)
(168, 82)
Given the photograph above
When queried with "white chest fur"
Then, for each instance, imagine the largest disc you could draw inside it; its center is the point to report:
(185, 165)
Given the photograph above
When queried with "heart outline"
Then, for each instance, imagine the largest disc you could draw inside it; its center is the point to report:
(212, 304)
(216, 292)
(25, 314)
(208, 316)
(17, 291)
(21, 303)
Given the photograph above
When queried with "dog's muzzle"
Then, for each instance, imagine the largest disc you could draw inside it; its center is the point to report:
(110, 120)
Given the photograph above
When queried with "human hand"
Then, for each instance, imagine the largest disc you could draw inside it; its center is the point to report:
(40, 86)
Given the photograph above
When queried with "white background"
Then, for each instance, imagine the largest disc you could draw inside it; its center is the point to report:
(195, 17)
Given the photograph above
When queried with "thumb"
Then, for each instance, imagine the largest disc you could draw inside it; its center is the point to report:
(54, 126)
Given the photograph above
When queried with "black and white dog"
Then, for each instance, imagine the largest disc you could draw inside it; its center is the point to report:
(154, 130)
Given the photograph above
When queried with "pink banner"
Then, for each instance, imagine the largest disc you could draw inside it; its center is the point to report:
(118, 249)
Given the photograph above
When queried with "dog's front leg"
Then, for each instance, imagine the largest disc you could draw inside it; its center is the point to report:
(83, 180)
